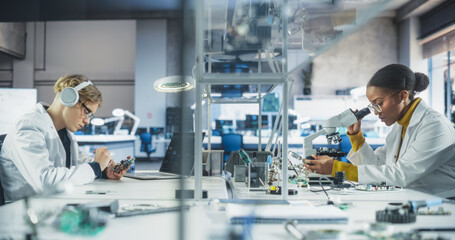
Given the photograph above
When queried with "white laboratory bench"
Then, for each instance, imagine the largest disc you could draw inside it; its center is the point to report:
(120, 146)
(206, 219)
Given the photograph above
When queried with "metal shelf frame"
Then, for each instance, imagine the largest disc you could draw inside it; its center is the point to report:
(349, 19)
(204, 80)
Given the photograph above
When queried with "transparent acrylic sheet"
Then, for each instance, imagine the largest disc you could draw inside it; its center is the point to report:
(249, 37)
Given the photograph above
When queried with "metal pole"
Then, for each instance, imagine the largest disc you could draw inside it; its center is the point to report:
(286, 101)
(181, 144)
(259, 62)
(198, 111)
(430, 87)
(284, 191)
(198, 145)
(260, 118)
(209, 129)
(448, 90)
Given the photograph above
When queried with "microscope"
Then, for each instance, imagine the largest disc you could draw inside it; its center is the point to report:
(329, 128)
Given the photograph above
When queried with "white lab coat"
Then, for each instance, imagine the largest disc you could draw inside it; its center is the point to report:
(427, 156)
(33, 157)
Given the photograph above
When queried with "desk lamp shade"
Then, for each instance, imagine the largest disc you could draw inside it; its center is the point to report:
(97, 121)
(118, 112)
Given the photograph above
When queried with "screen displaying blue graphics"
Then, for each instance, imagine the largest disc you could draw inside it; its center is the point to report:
(252, 121)
(220, 124)
(291, 124)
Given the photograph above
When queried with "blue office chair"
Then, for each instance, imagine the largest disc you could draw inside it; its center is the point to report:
(231, 142)
(146, 144)
(2, 196)
(345, 146)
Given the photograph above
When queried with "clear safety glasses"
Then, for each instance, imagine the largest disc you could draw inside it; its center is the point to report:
(89, 114)
(377, 107)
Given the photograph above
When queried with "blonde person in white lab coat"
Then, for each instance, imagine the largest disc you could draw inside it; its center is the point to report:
(419, 152)
(40, 150)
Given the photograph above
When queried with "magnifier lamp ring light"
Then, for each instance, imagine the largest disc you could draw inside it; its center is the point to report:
(174, 84)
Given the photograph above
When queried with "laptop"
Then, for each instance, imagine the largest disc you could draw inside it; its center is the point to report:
(171, 167)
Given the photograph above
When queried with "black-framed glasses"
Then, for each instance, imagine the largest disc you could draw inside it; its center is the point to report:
(88, 115)
(377, 107)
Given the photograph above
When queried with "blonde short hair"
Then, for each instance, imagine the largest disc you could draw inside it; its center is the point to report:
(89, 94)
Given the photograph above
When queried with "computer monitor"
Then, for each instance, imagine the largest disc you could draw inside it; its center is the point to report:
(220, 124)
(141, 130)
(240, 125)
(291, 119)
(291, 124)
(86, 130)
(180, 147)
(265, 121)
(251, 122)
(110, 127)
(156, 130)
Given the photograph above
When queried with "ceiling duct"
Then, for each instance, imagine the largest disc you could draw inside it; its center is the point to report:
(12, 39)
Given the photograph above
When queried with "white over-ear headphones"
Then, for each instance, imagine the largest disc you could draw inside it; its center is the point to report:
(70, 96)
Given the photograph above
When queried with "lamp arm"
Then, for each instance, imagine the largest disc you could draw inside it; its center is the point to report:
(111, 119)
(136, 122)
(118, 125)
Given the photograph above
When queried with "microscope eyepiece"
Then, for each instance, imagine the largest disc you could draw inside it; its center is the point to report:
(362, 113)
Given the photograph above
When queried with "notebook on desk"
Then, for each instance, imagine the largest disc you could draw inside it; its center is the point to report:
(329, 214)
(181, 146)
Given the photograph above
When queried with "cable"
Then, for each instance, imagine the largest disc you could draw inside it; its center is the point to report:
(329, 202)
(353, 183)
(322, 186)
(321, 190)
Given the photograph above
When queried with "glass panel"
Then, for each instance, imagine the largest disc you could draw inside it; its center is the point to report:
(239, 91)
(240, 34)
(441, 69)
(247, 37)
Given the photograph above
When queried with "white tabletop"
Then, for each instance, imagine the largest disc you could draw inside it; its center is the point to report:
(133, 189)
(206, 219)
